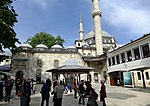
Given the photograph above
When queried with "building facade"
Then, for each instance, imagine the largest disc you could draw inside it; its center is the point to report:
(133, 57)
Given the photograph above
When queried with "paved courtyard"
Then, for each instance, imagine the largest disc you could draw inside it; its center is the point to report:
(116, 96)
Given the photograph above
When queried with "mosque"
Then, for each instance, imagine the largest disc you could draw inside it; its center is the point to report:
(89, 51)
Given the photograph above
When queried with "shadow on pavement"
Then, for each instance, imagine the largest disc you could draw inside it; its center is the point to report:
(140, 89)
(148, 105)
(120, 96)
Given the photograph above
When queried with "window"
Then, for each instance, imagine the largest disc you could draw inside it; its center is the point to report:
(78, 44)
(56, 63)
(145, 50)
(147, 75)
(136, 54)
(129, 55)
(123, 58)
(113, 60)
(118, 60)
(109, 61)
(139, 75)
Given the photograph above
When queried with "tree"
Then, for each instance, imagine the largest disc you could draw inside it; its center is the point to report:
(7, 20)
(46, 39)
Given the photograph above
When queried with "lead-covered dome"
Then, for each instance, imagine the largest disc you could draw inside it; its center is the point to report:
(92, 34)
(41, 46)
(56, 47)
(25, 46)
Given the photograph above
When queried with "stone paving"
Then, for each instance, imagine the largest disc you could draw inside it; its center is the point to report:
(116, 96)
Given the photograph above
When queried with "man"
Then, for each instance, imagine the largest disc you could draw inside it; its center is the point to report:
(81, 92)
(75, 88)
(103, 93)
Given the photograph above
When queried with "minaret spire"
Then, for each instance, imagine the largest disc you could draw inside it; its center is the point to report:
(81, 31)
(97, 27)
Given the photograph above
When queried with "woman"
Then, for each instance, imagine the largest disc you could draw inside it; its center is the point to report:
(58, 90)
(45, 92)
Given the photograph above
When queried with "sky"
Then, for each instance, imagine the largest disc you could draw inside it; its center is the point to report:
(123, 19)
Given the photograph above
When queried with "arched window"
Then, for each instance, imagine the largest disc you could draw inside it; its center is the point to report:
(56, 63)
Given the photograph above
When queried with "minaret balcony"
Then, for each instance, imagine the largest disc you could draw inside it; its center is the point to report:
(96, 12)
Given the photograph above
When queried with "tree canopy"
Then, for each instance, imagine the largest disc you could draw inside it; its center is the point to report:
(46, 39)
(7, 20)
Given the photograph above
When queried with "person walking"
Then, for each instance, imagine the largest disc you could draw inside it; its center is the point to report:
(45, 92)
(103, 93)
(91, 95)
(75, 88)
(59, 89)
(81, 92)
(25, 93)
(7, 90)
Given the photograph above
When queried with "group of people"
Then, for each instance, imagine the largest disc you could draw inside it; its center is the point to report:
(85, 90)
(6, 85)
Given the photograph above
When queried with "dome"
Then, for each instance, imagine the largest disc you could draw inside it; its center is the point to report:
(92, 34)
(71, 47)
(106, 34)
(57, 47)
(25, 46)
(89, 35)
(41, 46)
(71, 61)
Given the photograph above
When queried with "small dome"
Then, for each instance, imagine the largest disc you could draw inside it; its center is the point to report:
(57, 47)
(71, 47)
(41, 46)
(25, 46)
(71, 61)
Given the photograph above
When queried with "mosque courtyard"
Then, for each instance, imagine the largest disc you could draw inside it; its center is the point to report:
(116, 96)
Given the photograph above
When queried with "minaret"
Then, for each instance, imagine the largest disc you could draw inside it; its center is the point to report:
(97, 27)
(81, 31)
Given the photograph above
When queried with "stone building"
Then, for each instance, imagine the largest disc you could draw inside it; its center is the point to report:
(133, 57)
(89, 51)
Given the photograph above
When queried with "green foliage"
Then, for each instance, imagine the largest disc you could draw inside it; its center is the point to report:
(46, 39)
(7, 20)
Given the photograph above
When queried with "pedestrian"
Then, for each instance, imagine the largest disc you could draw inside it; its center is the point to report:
(103, 93)
(75, 88)
(25, 93)
(18, 85)
(54, 93)
(81, 92)
(45, 92)
(59, 89)
(91, 95)
(28, 88)
(1, 90)
(7, 90)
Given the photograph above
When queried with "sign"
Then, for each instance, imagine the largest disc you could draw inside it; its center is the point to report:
(127, 78)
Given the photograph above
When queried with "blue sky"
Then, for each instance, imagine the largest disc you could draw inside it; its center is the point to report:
(124, 19)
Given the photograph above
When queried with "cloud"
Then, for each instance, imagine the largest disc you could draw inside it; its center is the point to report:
(131, 15)
(43, 4)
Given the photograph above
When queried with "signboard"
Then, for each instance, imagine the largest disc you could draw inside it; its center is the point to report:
(127, 76)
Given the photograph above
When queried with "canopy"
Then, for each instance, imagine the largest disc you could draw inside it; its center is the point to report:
(5, 68)
(71, 65)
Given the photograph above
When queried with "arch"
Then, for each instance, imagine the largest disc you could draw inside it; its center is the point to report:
(19, 75)
(56, 63)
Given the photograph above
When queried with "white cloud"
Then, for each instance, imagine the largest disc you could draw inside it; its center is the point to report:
(129, 15)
